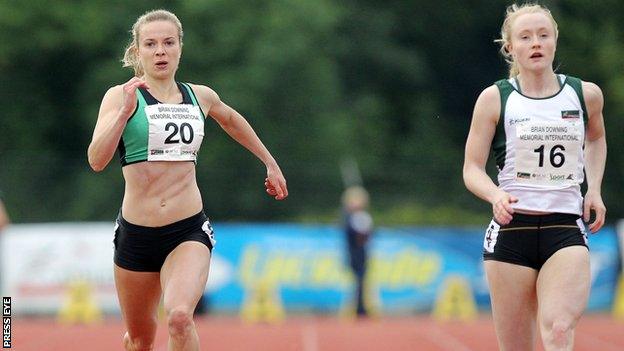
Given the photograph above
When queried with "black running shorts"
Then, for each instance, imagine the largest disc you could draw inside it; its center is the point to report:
(144, 249)
(529, 240)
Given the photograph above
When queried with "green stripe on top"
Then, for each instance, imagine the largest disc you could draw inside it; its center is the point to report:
(499, 143)
(577, 85)
(133, 143)
(194, 99)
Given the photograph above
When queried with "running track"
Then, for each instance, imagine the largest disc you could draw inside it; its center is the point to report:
(595, 332)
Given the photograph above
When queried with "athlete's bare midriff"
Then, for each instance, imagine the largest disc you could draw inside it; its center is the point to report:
(160, 193)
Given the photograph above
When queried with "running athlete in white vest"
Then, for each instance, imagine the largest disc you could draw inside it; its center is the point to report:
(163, 240)
(545, 129)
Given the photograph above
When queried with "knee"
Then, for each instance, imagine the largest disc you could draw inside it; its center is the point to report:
(138, 343)
(560, 332)
(180, 321)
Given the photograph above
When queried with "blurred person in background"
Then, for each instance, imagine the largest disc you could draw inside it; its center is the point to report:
(545, 129)
(358, 229)
(163, 240)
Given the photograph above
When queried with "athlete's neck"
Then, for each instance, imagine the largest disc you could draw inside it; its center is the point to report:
(162, 89)
(541, 84)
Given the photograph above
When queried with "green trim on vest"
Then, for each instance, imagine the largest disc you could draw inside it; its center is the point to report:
(133, 143)
(562, 85)
(515, 79)
(577, 85)
(194, 98)
(499, 143)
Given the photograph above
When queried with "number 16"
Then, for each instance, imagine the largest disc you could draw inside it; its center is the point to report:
(557, 158)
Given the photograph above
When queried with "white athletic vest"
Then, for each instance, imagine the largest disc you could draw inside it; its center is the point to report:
(539, 147)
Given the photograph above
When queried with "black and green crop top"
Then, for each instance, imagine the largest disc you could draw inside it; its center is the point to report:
(163, 132)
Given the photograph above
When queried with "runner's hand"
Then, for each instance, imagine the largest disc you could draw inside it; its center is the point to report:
(275, 183)
(502, 210)
(593, 201)
(129, 102)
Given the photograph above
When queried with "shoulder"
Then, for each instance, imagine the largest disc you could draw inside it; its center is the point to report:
(204, 94)
(489, 101)
(592, 94)
(113, 97)
(490, 94)
(116, 90)
(487, 109)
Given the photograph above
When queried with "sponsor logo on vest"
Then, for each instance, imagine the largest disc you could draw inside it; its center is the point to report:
(518, 120)
(570, 114)
(524, 175)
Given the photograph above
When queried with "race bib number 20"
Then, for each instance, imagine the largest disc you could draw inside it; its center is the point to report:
(175, 132)
(548, 153)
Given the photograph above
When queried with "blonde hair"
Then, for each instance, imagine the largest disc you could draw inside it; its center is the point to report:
(513, 12)
(131, 54)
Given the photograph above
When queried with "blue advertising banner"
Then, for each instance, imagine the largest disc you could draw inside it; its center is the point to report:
(305, 266)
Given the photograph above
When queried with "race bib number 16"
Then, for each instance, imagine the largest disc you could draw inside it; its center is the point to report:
(548, 153)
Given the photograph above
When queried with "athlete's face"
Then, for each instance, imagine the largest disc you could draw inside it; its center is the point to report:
(159, 48)
(533, 42)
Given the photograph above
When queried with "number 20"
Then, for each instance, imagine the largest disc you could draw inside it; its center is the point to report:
(184, 127)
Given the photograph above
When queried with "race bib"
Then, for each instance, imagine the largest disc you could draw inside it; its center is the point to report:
(548, 153)
(175, 132)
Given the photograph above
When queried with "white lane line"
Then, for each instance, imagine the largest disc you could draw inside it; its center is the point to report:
(446, 341)
(309, 338)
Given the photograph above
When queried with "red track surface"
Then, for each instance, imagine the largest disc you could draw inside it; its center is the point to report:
(595, 332)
